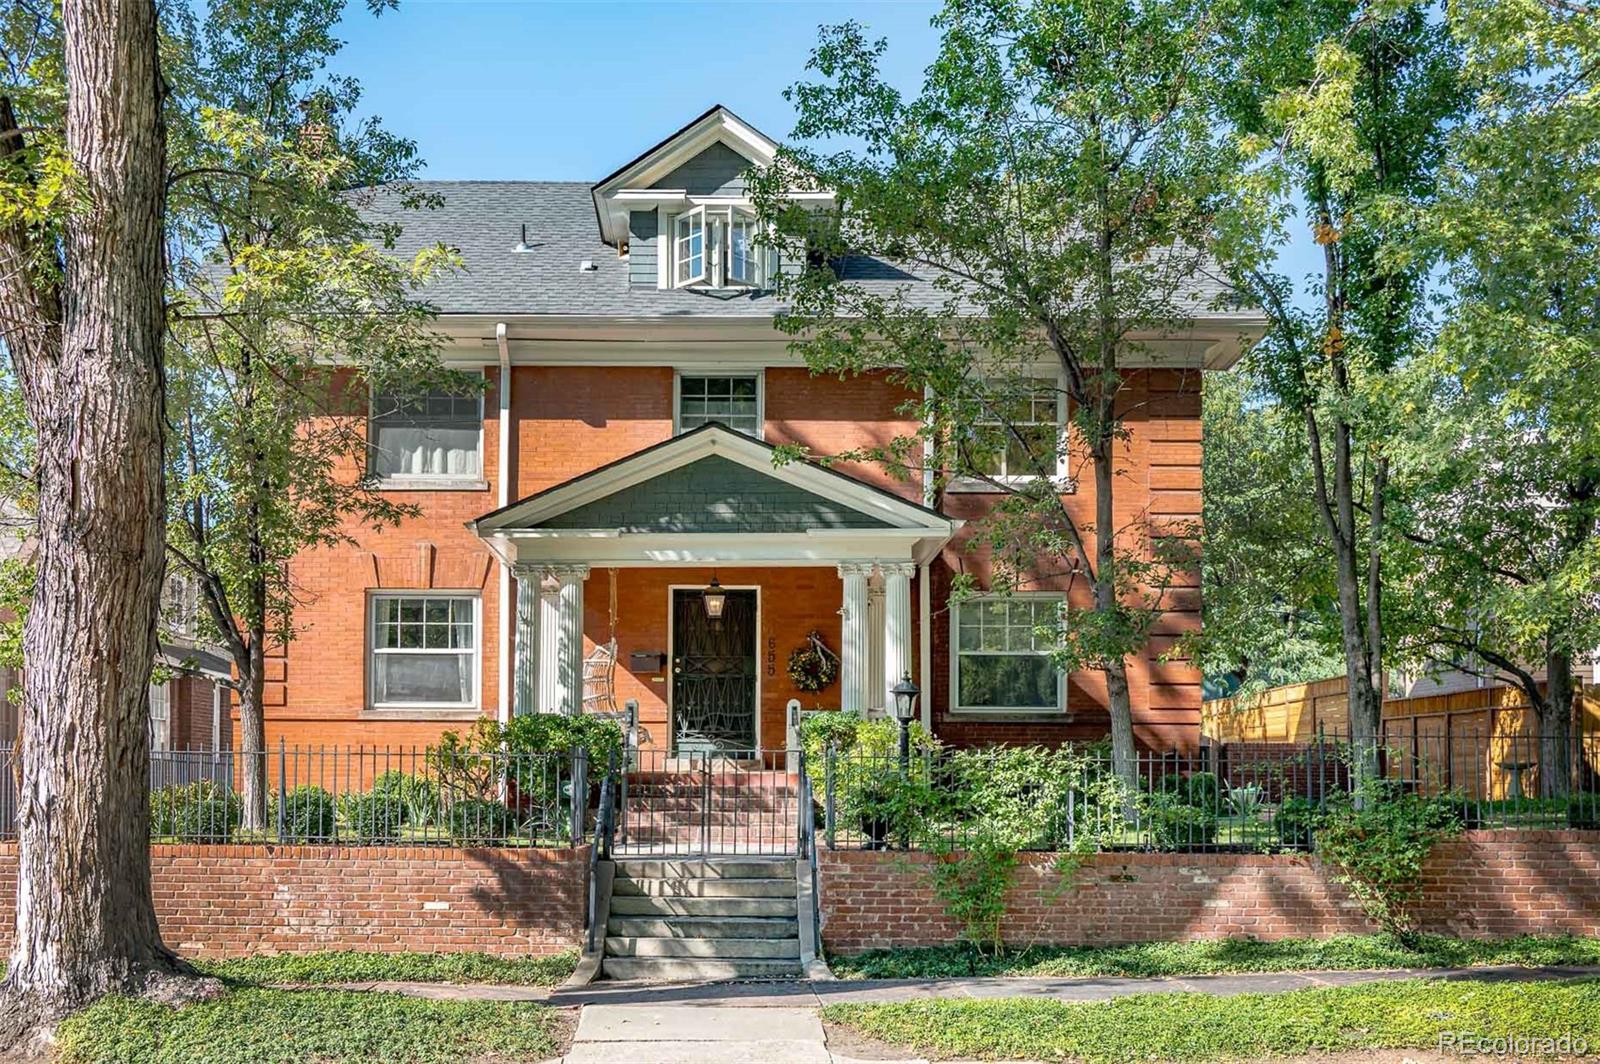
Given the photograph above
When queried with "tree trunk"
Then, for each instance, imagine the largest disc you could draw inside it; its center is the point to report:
(86, 924)
(1119, 703)
(252, 737)
(1555, 727)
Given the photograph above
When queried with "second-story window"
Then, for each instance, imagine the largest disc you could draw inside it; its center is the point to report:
(733, 401)
(433, 434)
(1022, 436)
(717, 247)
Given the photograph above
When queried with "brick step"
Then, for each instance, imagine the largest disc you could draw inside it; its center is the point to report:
(666, 868)
(684, 969)
(661, 906)
(722, 927)
(726, 949)
(697, 887)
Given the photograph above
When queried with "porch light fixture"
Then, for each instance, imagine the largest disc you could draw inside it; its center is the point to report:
(715, 599)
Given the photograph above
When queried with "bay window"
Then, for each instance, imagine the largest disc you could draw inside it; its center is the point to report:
(1002, 654)
(424, 650)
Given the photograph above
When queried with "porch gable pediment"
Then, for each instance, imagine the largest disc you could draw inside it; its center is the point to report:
(712, 480)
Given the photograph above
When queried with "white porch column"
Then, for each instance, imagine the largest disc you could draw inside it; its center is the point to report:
(526, 639)
(896, 626)
(560, 670)
(854, 676)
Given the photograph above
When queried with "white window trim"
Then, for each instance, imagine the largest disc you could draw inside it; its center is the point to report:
(371, 649)
(956, 707)
(713, 276)
(760, 376)
(161, 727)
(428, 481)
(977, 485)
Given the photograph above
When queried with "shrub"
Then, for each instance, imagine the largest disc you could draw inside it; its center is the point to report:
(1583, 811)
(1377, 841)
(1171, 783)
(417, 797)
(1176, 825)
(195, 810)
(480, 822)
(1294, 821)
(307, 814)
(1204, 790)
(374, 817)
(1245, 800)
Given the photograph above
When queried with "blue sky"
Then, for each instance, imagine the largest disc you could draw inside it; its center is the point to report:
(542, 90)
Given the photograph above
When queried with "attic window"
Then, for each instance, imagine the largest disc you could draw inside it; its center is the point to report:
(716, 246)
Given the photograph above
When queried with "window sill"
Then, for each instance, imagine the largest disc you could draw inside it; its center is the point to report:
(433, 484)
(468, 713)
(971, 486)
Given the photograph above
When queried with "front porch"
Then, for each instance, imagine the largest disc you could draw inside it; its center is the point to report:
(618, 562)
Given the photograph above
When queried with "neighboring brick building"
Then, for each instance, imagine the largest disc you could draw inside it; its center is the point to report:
(619, 461)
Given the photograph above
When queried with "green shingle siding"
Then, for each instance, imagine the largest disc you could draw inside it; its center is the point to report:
(713, 495)
(643, 248)
(719, 170)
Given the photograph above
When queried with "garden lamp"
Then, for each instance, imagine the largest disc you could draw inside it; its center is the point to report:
(905, 710)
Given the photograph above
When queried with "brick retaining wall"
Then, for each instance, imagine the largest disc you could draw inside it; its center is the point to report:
(1486, 884)
(228, 901)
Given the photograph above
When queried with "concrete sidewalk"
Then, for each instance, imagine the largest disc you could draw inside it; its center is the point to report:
(802, 994)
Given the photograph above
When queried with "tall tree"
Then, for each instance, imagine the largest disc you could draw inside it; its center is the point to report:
(1504, 569)
(288, 307)
(1052, 177)
(1345, 105)
(82, 195)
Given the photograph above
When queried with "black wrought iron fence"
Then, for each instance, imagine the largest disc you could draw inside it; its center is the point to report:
(360, 796)
(1254, 798)
(710, 803)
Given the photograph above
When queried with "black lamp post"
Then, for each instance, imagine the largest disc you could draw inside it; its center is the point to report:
(905, 710)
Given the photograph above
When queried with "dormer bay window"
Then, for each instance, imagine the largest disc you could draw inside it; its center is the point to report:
(716, 247)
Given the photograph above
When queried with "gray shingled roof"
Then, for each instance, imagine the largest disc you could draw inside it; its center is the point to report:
(484, 219)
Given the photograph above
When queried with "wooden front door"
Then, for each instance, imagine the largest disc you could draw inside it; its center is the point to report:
(713, 674)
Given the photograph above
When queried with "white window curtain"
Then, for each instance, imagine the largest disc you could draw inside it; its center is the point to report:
(437, 434)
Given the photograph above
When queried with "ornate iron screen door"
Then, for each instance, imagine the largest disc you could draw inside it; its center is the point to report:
(713, 674)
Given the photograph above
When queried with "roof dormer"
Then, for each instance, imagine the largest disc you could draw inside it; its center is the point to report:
(683, 209)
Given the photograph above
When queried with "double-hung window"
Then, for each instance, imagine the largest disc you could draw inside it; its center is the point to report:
(1021, 429)
(1002, 659)
(435, 434)
(735, 401)
(717, 247)
(424, 650)
(160, 716)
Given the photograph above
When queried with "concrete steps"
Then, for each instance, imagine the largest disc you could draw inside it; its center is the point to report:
(676, 919)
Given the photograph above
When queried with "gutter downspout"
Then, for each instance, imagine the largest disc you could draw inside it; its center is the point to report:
(503, 498)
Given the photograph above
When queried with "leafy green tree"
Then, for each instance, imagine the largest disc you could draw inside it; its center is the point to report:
(1344, 107)
(1053, 177)
(1504, 561)
(287, 306)
(1270, 614)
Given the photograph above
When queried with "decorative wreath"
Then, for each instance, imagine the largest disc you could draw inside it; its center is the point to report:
(813, 666)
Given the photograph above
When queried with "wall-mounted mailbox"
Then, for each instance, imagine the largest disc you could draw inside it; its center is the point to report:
(647, 661)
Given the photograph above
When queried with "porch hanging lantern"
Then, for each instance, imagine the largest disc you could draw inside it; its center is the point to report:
(715, 599)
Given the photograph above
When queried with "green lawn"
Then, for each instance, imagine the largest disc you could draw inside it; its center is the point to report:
(1343, 952)
(258, 1026)
(1412, 1014)
(353, 967)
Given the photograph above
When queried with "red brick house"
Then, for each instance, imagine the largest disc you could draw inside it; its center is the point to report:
(619, 462)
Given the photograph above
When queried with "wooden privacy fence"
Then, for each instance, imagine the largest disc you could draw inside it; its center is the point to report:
(1483, 741)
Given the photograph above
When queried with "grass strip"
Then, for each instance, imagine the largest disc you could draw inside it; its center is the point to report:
(358, 967)
(1409, 1014)
(1225, 957)
(258, 1026)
